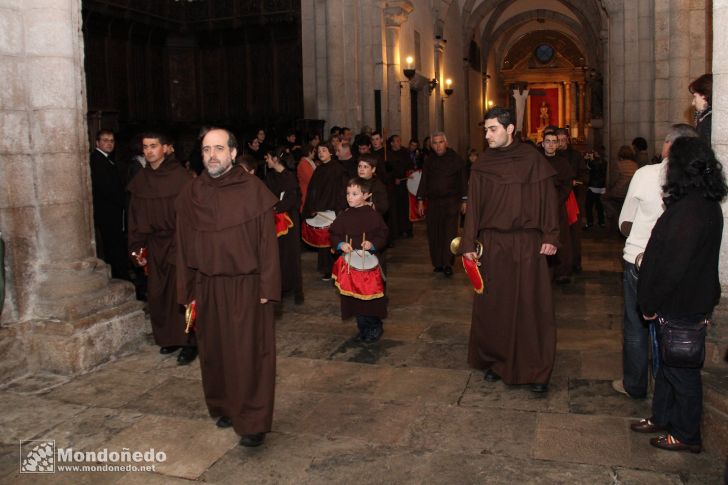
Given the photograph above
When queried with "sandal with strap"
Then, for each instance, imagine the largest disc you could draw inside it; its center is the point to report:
(670, 443)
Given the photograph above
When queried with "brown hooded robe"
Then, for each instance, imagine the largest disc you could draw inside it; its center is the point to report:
(563, 262)
(152, 221)
(512, 210)
(228, 260)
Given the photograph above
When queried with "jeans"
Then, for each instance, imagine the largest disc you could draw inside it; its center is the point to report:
(678, 402)
(635, 353)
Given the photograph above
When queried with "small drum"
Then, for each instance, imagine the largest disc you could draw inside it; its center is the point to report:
(315, 230)
(358, 275)
(413, 182)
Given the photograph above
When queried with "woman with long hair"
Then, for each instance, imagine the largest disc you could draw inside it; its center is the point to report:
(678, 285)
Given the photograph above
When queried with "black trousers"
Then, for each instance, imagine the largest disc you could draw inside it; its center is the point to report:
(442, 226)
(678, 402)
(325, 261)
(594, 200)
(368, 324)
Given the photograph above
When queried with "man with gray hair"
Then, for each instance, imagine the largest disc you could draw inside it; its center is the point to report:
(444, 185)
(642, 207)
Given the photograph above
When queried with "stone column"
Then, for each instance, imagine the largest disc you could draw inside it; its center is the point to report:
(720, 123)
(309, 58)
(520, 98)
(567, 95)
(715, 422)
(465, 132)
(439, 114)
(574, 103)
(582, 115)
(336, 62)
(63, 314)
(680, 52)
(615, 74)
(395, 14)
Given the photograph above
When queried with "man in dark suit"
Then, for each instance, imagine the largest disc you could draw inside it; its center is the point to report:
(109, 203)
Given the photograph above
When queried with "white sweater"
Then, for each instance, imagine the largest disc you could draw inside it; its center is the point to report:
(643, 206)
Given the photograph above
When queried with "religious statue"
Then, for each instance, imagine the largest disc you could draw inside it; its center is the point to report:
(545, 118)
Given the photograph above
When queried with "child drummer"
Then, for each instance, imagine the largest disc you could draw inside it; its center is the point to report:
(362, 229)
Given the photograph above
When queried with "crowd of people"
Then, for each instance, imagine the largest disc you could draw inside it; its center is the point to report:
(214, 241)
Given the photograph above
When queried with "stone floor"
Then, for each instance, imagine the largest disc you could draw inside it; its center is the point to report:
(405, 410)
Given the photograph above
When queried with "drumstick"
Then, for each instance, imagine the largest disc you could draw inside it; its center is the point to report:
(348, 262)
(363, 239)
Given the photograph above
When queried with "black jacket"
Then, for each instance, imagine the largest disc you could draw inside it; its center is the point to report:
(679, 272)
(107, 188)
(704, 124)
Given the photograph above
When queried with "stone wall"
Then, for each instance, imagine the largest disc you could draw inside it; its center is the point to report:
(339, 85)
(719, 334)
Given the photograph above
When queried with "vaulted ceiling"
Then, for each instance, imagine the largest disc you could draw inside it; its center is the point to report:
(497, 25)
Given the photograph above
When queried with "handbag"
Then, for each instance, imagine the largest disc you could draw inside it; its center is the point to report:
(681, 342)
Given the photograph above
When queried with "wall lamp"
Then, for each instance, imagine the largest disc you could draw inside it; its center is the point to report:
(448, 87)
(409, 71)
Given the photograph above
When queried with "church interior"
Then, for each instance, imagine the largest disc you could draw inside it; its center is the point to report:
(77, 361)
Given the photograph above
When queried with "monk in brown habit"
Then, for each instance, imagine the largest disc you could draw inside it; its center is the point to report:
(228, 265)
(513, 212)
(152, 222)
(562, 263)
(444, 184)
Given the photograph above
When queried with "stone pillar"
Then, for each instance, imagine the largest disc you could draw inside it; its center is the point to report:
(588, 132)
(336, 64)
(720, 144)
(582, 112)
(715, 414)
(309, 59)
(439, 114)
(520, 98)
(395, 14)
(567, 96)
(680, 53)
(572, 112)
(465, 132)
(615, 74)
(63, 314)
